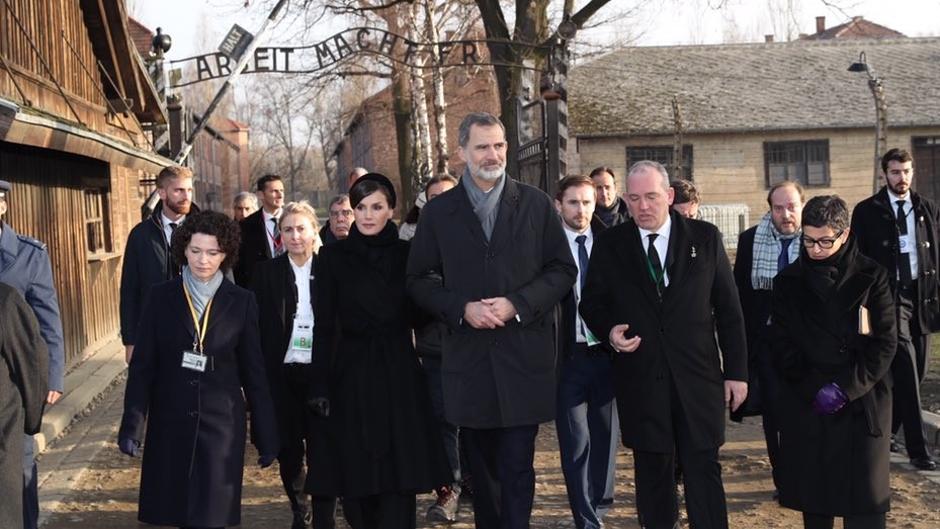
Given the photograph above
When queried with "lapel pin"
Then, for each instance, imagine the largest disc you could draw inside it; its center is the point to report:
(693, 253)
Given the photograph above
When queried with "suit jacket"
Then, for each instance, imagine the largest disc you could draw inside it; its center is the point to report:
(568, 306)
(254, 247)
(834, 464)
(500, 377)
(194, 452)
(24, 366)
(678, 332)
(875, 229)
(25, 266)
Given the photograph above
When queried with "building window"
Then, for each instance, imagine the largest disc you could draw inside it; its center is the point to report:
(806, 162)
(97, 224)
(663, 155)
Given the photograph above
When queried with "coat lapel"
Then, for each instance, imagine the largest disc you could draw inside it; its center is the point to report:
(679, 256)
(221, 303)
(463, 209)
(631, 252)
(508, 206)
(181, 309)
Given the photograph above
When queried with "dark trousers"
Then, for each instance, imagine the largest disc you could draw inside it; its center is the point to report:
(449, 432)
(907, 369)
(588, 427)
(30, 486)
(656, 498)
(381, 511)
(293, 424)
(866, 521)
(501, 462)
(769, 394)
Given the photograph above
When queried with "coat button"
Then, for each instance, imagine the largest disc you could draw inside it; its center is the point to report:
(194, 382)
(194, 414)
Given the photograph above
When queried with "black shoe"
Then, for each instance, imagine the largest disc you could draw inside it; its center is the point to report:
(924, 463)
(895, 447)
(302, 520)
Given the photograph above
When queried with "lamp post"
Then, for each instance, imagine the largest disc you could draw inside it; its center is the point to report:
(881, 112)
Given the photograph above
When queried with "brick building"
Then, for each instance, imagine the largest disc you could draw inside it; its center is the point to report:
(370, 141)
(755, 114)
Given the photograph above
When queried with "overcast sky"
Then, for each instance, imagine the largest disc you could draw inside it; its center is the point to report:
(197, 26)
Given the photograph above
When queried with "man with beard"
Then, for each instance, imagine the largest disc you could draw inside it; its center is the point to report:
(147, 258)
(261, 238)
(587, 415)
(611, 209)
(490, 259)
(763, 251)
(341, 219)
(25, 266)
(898, 228)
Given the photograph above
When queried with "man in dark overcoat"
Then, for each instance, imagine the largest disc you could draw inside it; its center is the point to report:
(25, 266)
(24, 372)
(659, 291)
(763, 251)
(898, 228)
(490, 259)
(261, 238)
(147, 259)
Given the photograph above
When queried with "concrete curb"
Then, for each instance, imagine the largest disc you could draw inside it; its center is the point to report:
(932, 425)
(83, 385)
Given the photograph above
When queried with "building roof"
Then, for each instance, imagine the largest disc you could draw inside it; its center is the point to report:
(856, 28)
(754, 87)
(140, 35)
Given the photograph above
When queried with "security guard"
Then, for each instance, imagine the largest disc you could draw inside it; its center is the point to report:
(25, 265)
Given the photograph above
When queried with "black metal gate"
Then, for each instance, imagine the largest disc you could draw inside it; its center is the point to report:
(542, 127)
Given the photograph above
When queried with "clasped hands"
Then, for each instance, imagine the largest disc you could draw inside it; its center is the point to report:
(489, 313)
(735, 390)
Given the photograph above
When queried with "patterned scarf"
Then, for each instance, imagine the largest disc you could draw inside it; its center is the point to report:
(767, 248)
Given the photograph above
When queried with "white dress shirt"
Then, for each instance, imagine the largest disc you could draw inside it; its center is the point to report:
(580, 329)
(661, 243)
(167, 231)
(269, 227)
(304, 309)
(908, 243)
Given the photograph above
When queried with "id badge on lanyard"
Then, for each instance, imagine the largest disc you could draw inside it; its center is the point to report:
(194, 359)
(301, 340)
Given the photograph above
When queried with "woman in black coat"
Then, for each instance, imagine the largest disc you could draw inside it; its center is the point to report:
(834, 336)
(384, 445)
(197, 358)
(284, 287)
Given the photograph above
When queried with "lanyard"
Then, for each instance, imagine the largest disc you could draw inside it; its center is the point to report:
(199, 328)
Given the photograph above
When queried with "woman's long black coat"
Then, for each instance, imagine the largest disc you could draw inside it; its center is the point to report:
(195, 445)
(382, 435)
(835, 464)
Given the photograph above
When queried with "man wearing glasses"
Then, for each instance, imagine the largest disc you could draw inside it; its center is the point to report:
(341, 219)
(763, 251)
(898, 228)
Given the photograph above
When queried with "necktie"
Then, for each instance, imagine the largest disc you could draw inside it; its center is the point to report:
(173, 227)
(582, 260)
(276, 235)
(904, 258)
(656, 267)
(784, 258)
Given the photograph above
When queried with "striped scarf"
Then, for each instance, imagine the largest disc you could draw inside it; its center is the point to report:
(767, 248)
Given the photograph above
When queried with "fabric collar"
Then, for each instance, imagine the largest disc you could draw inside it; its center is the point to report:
(663, 230)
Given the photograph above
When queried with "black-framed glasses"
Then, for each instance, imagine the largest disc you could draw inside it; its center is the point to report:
(824, 243)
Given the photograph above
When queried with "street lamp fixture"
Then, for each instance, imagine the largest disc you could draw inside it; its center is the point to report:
(881, 112)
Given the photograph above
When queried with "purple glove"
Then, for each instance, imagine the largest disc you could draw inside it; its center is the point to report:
(129, 446)
(829, 399)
